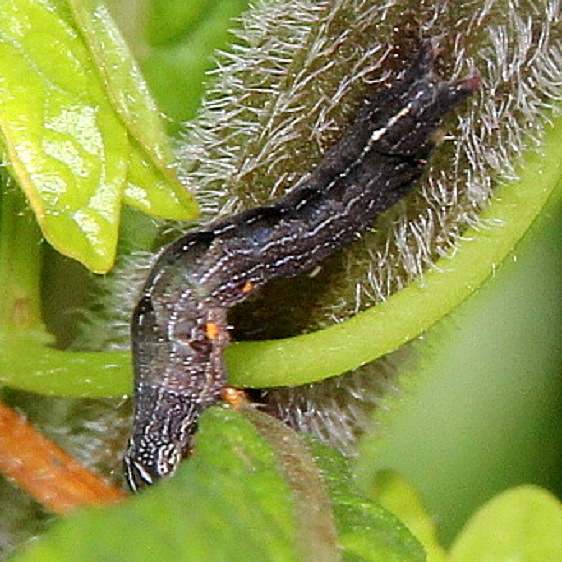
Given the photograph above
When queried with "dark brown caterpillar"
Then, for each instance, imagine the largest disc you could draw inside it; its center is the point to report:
(179, 327)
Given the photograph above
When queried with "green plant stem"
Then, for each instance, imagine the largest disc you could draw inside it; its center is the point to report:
(20, 263)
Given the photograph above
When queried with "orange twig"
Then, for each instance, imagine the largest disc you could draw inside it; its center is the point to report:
(45, 471)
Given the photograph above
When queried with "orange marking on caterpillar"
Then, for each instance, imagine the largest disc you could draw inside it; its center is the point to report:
(234, 397)
(211, 330)
(248, 287)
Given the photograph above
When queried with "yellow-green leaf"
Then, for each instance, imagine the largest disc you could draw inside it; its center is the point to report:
(397, 495)
(79, 128)
(153, 185)
(65, 145)
(150, 190)
(122, 77)
(523, 524)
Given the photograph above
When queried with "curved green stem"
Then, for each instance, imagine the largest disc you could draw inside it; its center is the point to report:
(412, 310)
(27, 363)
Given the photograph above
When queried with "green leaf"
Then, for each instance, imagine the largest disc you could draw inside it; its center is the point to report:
(367, 532)
(229, 502)
(398, 496)
(151, 190)
(122, 77)
(251, 491)
(523, 524)
(65, 144)
(153, 186)
(70, 136)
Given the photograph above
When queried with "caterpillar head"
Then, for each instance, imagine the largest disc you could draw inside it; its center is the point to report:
(147, 460)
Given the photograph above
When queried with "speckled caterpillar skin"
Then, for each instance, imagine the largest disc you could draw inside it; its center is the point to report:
(179, 327)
